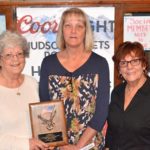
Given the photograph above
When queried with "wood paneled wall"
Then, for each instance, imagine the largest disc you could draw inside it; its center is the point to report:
(7, 7)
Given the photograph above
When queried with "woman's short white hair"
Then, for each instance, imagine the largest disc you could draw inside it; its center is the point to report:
(10, 39)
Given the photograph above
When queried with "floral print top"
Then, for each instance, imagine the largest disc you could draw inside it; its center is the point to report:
(80, 91)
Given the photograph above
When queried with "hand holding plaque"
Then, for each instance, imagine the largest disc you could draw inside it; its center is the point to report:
(48, 122)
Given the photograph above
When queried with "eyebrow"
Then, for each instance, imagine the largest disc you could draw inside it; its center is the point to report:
(131, 59)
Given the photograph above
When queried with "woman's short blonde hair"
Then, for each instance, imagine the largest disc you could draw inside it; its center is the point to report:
(88, 42)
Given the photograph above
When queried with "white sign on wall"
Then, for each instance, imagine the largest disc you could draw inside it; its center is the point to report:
(137, 28)
(40, 25)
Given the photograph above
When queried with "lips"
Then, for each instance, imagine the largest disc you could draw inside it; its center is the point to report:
(73, 37)
(15, 65)
(129, 72)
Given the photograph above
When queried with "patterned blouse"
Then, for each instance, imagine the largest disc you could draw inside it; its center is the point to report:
(85, 93)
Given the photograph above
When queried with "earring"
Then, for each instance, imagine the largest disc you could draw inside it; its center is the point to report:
(145, 71)
(120, 76)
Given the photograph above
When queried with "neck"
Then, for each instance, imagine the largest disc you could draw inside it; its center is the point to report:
(136, 85)
(75, 49)
(11, 81)
(75, 55)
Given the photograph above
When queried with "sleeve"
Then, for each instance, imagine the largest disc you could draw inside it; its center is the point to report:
(43, 84)
(102, 101)
(8, 142)
(108, 138)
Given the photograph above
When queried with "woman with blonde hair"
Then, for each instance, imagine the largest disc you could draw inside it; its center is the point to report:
(80, 78)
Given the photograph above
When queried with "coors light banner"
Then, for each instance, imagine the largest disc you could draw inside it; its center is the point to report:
(40, 25)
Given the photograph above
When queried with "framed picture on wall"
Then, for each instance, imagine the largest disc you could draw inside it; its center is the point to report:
(137, 28)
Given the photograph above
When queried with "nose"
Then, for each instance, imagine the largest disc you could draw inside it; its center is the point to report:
(15, 57)
(129, 64)
(73, 29)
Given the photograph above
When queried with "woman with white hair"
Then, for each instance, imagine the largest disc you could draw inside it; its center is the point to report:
(16, 92)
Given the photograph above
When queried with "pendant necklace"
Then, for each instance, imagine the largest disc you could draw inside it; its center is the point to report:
(18, 92)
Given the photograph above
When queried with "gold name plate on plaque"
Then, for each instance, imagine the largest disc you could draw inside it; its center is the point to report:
(48, 122)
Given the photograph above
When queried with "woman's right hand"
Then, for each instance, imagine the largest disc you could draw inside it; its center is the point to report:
(35, 144)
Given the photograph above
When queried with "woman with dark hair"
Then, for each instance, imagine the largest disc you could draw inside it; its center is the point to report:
(129, 110)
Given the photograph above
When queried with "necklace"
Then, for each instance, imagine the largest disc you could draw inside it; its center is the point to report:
(131, 90)
(18, 92)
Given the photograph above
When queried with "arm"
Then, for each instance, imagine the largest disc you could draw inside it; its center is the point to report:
(109, 138)
(20, 143)
(97, 122)
(43, 85)
(86, 138)
(102, 101)
(99, 118)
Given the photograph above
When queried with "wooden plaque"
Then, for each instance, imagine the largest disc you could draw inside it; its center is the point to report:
(48, 122)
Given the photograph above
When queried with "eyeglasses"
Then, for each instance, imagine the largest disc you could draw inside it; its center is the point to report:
(133, 62)
(11, 56)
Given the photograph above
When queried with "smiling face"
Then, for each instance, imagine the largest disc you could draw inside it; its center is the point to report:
(134, 71)
(12, 61)
(74, 31)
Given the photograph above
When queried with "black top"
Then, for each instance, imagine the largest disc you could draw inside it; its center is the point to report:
(85, 92)
(129, 129)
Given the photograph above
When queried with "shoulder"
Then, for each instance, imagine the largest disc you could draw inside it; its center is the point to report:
(50, 58)
(100, 63)
(119, 89)
(146, 87)
(98, 58)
